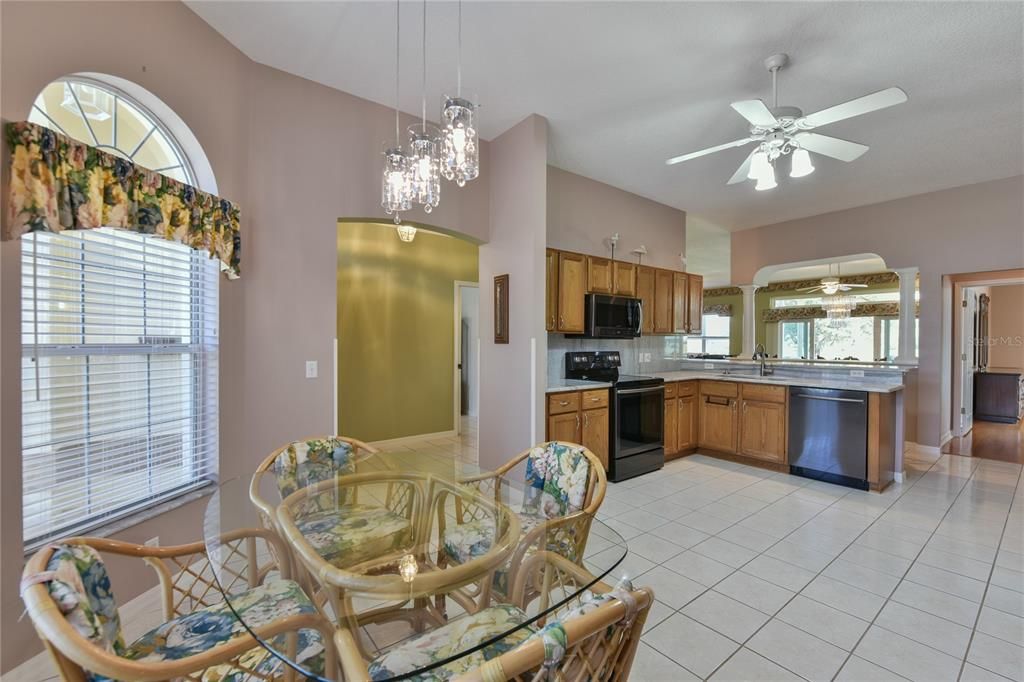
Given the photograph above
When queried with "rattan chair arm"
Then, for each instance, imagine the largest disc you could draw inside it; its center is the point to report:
(353, 666)
(169, 551)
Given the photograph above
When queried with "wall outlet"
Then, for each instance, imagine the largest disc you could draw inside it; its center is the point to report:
(312, 369)
(709, 365)
(153, 541)
(856, 372)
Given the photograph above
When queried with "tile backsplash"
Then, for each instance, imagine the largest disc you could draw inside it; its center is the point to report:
(630, 350)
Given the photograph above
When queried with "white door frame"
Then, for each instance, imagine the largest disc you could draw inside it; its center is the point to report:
(457, 355)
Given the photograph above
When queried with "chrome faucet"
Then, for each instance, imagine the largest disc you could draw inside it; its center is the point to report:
(761, 354)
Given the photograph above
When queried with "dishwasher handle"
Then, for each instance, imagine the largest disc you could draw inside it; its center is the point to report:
(829, 398)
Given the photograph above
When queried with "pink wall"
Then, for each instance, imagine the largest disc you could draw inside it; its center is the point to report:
(295, 155)
(518, 236)
(582, 213)
(1006, 326)
(966, 229)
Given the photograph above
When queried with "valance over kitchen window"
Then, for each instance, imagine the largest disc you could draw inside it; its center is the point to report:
(60, 184)
(886, 309)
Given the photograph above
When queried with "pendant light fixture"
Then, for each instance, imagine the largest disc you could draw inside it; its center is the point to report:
(395, 195)
(461, 161)
(424, 166)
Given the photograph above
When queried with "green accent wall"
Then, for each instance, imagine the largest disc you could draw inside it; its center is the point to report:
(396, 330)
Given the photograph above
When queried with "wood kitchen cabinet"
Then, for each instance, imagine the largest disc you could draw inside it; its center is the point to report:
(686, 423)
(623, 279)
(763, 430)
(695, 303)
(680, 303)
(645, 292)
(671, 444)
(662, 301)
(599, 275)
(571, 287)
(551, 290)
(717, 416)
(581, 417)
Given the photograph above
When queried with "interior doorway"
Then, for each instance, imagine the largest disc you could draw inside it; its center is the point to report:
(467, 355)
(988, 366)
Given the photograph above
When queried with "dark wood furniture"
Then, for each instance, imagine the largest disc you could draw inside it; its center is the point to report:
(999, 394)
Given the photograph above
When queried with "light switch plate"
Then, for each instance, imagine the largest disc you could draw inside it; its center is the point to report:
(311, 369)
(856, 372)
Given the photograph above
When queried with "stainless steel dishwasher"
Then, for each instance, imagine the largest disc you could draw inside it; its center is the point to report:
(828, 435)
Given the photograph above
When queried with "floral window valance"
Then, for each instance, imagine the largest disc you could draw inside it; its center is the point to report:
(58, 183)
(722, 309)
(814, 311)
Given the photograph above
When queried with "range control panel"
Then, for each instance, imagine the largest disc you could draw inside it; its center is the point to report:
(601, 359)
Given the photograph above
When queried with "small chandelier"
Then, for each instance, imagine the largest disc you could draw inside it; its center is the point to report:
(395, 191)
(838, 307)
(461, 148)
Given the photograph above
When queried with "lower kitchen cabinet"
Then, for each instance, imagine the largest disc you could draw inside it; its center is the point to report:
(686, 423)
(763, 430)
(671, 443)
(595, 433)
(717, 423)
(580, 417)
(565, 427)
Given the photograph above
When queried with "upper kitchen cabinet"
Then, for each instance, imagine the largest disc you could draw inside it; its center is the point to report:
(680, 303)
(623, 278)
(571, 287)
(663, 302)
(599, 275)
(695, 304)
(551, 290)
(645, 292)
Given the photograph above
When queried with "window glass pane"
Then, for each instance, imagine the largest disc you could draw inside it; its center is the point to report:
(852, 338)
(694, 344)
(717, 346)
(891, 338)
(795, 338)
(716, 325)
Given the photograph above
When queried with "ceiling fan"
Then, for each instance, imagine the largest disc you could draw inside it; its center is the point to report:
(832, 285)
(783, 130)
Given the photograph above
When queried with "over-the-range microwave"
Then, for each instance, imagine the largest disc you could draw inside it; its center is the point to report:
(612, 317)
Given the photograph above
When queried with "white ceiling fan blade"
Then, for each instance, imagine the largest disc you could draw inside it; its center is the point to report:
(844, 150)
(815, 288)
(757, 112)
(709, 150)
(847, 287)
(855, 107)
(741, 173)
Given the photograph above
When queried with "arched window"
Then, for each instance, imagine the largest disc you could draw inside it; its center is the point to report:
(104, 117)
(119, 341)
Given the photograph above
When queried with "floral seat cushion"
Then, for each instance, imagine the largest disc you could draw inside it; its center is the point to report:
(556, 480)
(304, 463)
(457, 636)
(80, 586)
(348, 535)
(206, 628)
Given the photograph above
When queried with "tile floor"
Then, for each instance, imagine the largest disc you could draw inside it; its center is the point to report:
(765, 576)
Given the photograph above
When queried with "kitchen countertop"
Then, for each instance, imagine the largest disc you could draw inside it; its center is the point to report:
(562, 385)
(844, 384)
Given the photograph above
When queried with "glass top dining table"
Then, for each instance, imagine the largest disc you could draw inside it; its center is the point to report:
(400, 551)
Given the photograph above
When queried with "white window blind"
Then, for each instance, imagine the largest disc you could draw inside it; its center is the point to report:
(119, 377)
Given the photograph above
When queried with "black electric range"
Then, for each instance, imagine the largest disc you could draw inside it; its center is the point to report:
(636, 418)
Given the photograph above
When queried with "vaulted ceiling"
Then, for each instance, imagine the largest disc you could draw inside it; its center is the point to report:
(625, 85)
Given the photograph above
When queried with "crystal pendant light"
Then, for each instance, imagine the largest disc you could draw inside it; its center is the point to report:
(838, 306)
(395, 195)
(424, 166)
(461, 161)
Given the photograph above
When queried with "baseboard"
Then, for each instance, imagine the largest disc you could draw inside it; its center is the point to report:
(946, 437)
(405, 439)
(923, 449)
(898, 476)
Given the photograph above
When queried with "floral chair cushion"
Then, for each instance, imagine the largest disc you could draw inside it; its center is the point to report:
(80, 586)
(458, 635)
(304, 463)
(206, 628)
(556, 478)
(351, 534)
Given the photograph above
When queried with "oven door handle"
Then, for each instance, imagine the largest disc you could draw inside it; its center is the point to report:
(630, 391)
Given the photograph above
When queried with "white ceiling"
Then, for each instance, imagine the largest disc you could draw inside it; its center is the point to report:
(625, 85)
(853, 266)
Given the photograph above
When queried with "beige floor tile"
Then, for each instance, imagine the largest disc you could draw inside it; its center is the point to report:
(973, 673)
(670, 587)
(997, 655)
(847, 598)
(928, 629)
(698, 567)
(745, 665)
(877, 560)
(800, 554)
(659, 612)
(748, 538)
(725, 552)
(857, 669)
(654, 548)
(696, 647)
(866, 579)
(725, 615)
(1003, 599)
(824, 622)
(906, 657)
(1005, 626)
(947, 581)
(679, 534)
(937, 603)
(796, 650)
(649, 665)
(779, 572)
(760, 594)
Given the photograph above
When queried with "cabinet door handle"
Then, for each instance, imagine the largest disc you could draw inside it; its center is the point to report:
(595, 400)
(577, 422)
(586, 419)
(563, 403)
(561, 321)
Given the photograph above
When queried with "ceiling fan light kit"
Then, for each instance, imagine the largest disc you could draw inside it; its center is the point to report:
(784, 130)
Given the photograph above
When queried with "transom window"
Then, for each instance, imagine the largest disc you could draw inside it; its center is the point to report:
(119, 345)
(99, 115)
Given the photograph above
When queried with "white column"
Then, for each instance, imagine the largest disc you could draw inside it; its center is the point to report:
(748, 320)
(908, 314)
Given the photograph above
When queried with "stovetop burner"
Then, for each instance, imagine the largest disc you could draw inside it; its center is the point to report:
(603, 366)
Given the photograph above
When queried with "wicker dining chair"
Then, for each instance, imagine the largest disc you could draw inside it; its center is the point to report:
(590, 632)
(565, 485)
(68, 596)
